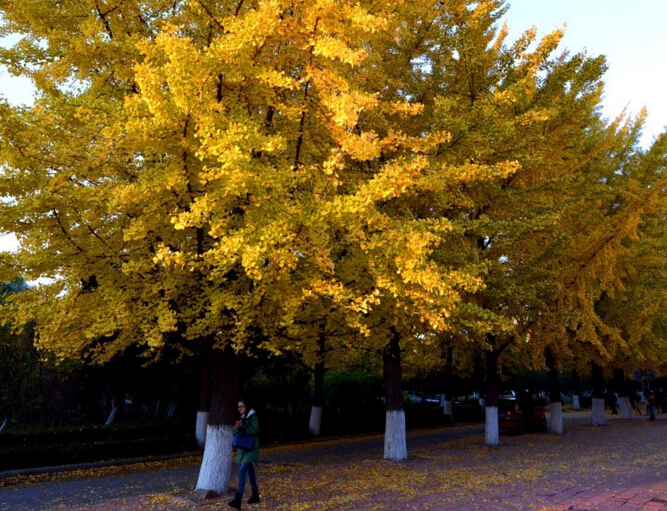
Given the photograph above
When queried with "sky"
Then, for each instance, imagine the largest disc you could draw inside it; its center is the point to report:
(630, 33)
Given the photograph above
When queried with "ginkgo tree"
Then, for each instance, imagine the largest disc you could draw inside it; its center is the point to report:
(555, 234)
(210, 173)
(206, 168)
(525, 104)
(600, 249)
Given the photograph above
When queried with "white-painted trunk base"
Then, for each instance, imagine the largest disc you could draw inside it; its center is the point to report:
(315, 423)
(395, 443)
(597, 412)
(448, 409)
(216, 466)
(491, 432)
(626, 407)
(112, 416)
(200, 428)
(575, 403)
(557, 418)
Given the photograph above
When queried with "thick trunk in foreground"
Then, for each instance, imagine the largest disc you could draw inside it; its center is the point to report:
(395, 443)
(621, 387)
(478, 368)
(491, 432)
(315, 423)
(555, 402)
(625, 406)
(556, 409)
(204, 403)
(201, 426)
(449, 394)
(597, 411)
(215, 471)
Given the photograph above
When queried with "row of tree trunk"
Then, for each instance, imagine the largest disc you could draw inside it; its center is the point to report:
(215, 423)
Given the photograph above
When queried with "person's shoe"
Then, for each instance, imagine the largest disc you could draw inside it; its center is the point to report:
(236, 503)
(255, 496)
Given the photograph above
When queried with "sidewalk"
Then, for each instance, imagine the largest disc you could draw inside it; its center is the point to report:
(619, 466)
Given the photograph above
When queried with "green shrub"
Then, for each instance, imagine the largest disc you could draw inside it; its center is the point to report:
(468, 411)
(353, 403)
(27, 456)
(62, 446)
(89, 433)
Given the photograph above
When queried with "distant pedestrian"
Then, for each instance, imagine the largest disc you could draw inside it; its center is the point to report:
(249, 424)
(650, 406)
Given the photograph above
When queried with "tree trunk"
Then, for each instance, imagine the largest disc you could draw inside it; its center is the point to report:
(112, 414)
(116, 404)
(315, 424)
(395, 443)
(621, 387)
(449, 394)
(597, 412)
(555, 402)
(576, 390)
(215, 471)
(200, 428)
(478, 370)
(204, 403)
(491, 434)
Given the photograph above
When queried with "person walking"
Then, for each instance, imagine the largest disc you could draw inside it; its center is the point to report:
(249, 424)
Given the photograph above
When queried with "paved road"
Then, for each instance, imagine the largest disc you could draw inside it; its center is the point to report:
(50, 496)
(432, 450)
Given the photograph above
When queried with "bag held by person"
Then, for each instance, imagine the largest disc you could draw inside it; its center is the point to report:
(243, 441)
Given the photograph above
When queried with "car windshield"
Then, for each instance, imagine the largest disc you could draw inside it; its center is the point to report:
(505, 405)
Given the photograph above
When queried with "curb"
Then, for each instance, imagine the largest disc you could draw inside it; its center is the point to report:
(97, 464)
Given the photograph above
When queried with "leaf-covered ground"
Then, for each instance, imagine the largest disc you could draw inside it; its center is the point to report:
(620, 466)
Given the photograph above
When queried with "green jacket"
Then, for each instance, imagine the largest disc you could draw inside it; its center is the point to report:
(251, 427)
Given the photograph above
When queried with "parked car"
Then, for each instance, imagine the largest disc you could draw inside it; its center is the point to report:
(510, 417)
(419, 397)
